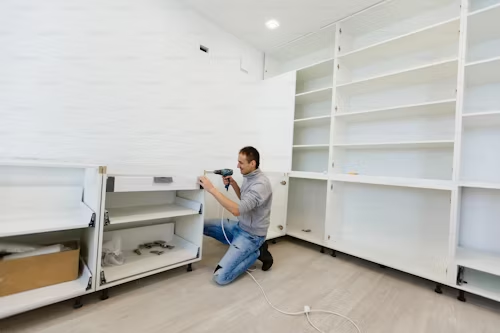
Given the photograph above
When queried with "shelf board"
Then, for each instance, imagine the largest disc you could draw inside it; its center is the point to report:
(478, 260)
(36, 298)
(25, 222)
(137, 264)
(274, 234)
(398, 145)
(312, 121)
(484, 61)
(429, 108)
(484, 10)
(482, 72)
(314, 96)
(398, 38)
(418, 73)
(492, 186)
(487, 118)
(321, 69)
(417, 260)
(396, 181)
(319, 146)
(147, 213)
(315, 64)
(306, 236)
(308, 175)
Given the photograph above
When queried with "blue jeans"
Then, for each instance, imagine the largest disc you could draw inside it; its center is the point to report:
(242, 253)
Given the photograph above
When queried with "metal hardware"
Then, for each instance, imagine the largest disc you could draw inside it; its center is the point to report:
(102, 170)
(163, 180)
(340, 30)
(201, 209)
(333, 164)
(89, 284)
(438, 289)
(338, 66)
(92, 221)
(328, 237)
(461, 296)
(103, 278)
(106, 218)
(157, 252)
(460, 276)
(331, 187)
(280, 227)
(283, 182)
(306, 230)
(110, 184)
(138, 252)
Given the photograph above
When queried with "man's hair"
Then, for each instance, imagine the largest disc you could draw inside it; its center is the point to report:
(251, 154)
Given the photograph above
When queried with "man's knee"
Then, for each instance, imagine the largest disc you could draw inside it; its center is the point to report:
(219, 277)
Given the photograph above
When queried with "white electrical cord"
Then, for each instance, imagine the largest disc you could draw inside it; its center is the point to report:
(307, 309)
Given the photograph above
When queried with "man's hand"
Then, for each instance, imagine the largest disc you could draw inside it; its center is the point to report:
(228, 180)
(206, 184)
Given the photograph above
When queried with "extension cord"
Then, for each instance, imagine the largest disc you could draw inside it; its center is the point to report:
(307, 309)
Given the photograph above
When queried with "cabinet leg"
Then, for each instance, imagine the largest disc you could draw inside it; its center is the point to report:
(382, 266)
(273, 241)
(322, 250)
(461, 296)
(78, 302)
(190, 268)
(104, 295)
(334, 253)
(438, 289)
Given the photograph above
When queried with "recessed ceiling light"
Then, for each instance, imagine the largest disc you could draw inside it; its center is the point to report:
(272, 24)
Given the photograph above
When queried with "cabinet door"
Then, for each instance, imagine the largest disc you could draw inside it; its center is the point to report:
(279, 182)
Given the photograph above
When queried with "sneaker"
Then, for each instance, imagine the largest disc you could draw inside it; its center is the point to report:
(266, 257)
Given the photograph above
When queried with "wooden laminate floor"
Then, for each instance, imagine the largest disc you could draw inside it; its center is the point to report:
(379, 300)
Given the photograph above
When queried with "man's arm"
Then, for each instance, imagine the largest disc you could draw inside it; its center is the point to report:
(229, 205)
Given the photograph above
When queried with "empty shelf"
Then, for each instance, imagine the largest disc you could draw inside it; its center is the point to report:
(319, 146)
(429, 108)
(36, 298)
(25, 222)
(306, 236)
(398, 145)
(493, 186)
(481, 261)
(488, 118)
(312, 121)
(137, 264)
(308, 175)
(484, 10)
(314, 96)
(413, 74)
(396, 181)
(418, 259)
(147, 213)
(419, 36)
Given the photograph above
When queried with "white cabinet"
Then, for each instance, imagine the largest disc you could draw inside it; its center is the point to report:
(142, 213)
(45, 204)
(396, 139)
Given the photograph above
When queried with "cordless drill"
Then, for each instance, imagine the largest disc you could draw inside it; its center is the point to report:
(224, 173)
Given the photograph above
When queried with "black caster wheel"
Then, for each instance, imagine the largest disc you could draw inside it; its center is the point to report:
(78, 303)
(104, 295)
(461, 296)
(322, 250)
(274, 241)
(438, 289)
(382, 266)
(190, 268)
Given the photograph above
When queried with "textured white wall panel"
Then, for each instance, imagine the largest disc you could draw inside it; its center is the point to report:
(123, 82)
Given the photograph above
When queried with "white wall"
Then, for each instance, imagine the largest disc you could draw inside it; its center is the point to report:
(116, 82)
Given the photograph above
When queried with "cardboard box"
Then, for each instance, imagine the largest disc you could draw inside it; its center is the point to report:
(29, 273)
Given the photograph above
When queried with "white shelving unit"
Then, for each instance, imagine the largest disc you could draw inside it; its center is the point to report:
(143, 209)
(45, 203)
(397, 141)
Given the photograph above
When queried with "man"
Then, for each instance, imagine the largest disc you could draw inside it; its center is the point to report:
(248, 234)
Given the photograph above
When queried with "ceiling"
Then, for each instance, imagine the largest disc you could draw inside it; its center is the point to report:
(246, 18)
